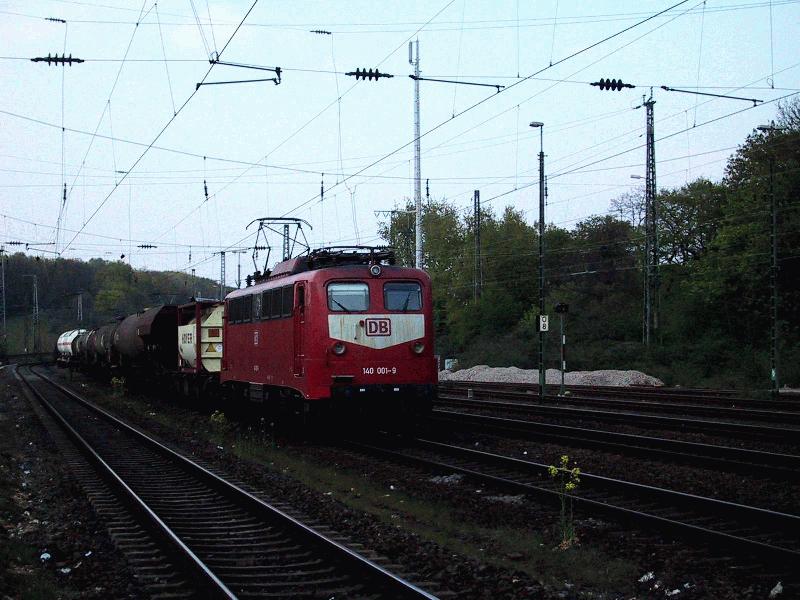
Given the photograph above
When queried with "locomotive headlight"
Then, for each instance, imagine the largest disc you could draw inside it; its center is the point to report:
(375, 270)
(339, 348)
(418, 347)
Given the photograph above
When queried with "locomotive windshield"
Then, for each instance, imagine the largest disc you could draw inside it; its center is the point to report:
(348, 297)
(402, 296)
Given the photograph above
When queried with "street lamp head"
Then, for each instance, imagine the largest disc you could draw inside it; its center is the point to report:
(636, 177)
(536, 124)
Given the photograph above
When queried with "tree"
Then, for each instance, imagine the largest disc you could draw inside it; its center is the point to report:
(688, 220)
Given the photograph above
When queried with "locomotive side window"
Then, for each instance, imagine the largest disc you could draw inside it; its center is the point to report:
(403, 296)
(235, 311)
(256, 307)
(275, 303)
(266, 303)
(288, 300)
(348, 297)
(247, 308)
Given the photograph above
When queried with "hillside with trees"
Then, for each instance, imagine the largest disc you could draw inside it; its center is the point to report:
(109, 290)
(714, 296)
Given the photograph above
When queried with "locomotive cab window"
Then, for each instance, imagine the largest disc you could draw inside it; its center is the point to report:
(402, 296)
(348, 297)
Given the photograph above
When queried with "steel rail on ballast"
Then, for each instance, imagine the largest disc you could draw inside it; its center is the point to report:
(742, 460)
(646, 393)
(382, 580)
(635, 419)
(211, 585)
(649, 405)
(631, 493)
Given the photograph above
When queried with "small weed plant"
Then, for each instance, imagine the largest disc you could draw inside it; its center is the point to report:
(118, 386)
(219, 421)
(567, 480)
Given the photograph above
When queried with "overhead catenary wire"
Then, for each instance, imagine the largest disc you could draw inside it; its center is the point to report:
(506, 89)
(163, 129)
(318, 114)
(337, 159)
(166, 63)
(142, 15)
(605, 142)
(638, 147)
(477, 24)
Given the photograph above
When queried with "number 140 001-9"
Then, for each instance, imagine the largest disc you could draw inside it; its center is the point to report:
(379, 371)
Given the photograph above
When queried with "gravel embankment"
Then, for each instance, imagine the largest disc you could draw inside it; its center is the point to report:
(486, 373)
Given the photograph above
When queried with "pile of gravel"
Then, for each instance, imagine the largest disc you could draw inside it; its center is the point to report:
(515, 375)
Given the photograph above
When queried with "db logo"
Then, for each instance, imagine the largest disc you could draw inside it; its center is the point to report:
(378, 327)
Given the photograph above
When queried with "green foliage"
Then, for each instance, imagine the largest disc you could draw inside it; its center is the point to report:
(110, 289)
(566, 481)
(219, 422)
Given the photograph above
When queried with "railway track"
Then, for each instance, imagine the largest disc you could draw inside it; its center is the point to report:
(760, 535)
(707, 397)
(696, 402)
(740, 460)
(201, 535)
(772, 432)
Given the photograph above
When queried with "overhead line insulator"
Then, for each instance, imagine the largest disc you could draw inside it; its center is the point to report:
(368, 74)
(611, 84)
(57, 60)
(320, 31)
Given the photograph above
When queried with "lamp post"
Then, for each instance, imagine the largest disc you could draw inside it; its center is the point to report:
(543, 325)
(773, 268)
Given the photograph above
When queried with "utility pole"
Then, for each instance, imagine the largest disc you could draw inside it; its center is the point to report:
(78, 304)
(3, 279)
(194, 286)
(651, 280)
(773, 268)
(238, 254)
(414, 60)
(651, 228)
(476, 223)
(543, 321)
(35, 320)
(222, 275)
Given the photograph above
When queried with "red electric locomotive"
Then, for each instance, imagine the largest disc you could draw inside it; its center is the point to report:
(335, 327)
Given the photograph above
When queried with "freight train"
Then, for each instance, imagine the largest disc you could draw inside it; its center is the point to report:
(335, 329)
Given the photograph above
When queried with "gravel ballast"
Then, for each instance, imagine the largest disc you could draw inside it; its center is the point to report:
(485, 373)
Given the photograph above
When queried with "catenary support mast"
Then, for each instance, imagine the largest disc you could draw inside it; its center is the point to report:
(413, 58)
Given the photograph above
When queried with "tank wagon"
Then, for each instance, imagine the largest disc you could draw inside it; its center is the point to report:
(336, 329)
(66, 348)
(200, 326)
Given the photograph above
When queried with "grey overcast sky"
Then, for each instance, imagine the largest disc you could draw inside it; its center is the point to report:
(267, 146)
